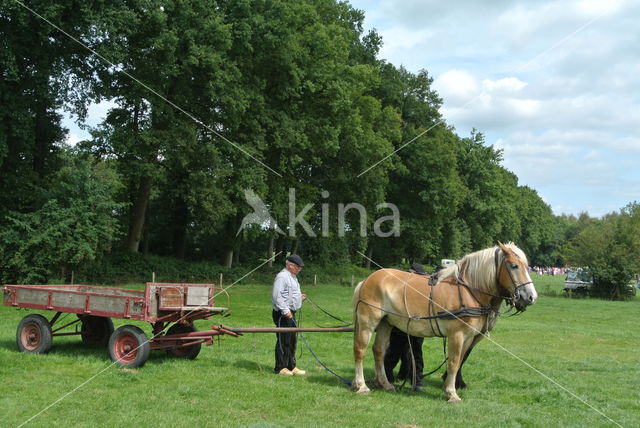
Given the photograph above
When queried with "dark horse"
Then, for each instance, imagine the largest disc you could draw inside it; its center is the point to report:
(462, 306)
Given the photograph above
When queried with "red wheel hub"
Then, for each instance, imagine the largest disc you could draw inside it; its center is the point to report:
(30, 336)
(126, 348)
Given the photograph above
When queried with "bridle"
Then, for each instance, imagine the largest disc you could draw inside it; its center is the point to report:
(516, 286)
(513, 296)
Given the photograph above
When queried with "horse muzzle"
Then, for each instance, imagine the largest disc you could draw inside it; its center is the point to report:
(525, 295)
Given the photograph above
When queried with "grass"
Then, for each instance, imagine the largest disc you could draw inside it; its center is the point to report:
(588, 346)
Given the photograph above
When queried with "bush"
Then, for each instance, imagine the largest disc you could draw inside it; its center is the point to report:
(125, 267)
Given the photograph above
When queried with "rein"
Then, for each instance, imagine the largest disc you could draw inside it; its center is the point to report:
(344, 323)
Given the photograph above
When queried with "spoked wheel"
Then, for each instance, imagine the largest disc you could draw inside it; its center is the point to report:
(128, 346)
(188, 352)
(34, 334)
(96, 331)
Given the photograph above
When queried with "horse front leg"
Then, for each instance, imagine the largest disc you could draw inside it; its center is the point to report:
(380, 345)
(361, 338)
(460, 383)
(455, 351)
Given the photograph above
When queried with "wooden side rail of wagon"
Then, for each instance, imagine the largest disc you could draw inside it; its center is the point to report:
(160, 304)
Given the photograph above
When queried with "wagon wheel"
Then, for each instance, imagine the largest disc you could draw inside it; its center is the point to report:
(96, 330)
(129, 347)
(34, 334)
(188, 352)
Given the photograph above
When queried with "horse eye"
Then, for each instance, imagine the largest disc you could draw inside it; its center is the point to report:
(514, 266)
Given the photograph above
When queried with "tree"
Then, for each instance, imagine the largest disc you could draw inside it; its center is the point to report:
(42, 71)
(176, 51)
(305, 70)
(488, 207)
(424, 183)
(610, 248)
(536, 226)
(76, 223)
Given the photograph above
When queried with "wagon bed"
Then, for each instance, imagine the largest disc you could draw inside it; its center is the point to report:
(157, 302)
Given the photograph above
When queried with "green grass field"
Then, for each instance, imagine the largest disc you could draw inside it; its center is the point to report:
(558, 348)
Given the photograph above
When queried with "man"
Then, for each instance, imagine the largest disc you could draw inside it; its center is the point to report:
(286, 299)
(406, 349)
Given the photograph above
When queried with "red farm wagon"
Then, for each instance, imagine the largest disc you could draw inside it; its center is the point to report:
(170, 308)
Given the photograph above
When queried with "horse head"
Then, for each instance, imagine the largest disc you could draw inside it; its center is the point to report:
(513, 276)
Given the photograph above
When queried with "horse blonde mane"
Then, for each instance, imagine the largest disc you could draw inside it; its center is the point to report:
(479, 268)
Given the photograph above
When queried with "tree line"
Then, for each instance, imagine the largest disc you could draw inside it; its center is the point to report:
(210, 98)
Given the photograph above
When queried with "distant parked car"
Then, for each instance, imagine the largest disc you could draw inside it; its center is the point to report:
(578, 281)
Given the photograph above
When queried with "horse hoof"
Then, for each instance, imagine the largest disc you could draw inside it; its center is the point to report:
(363, 390)
(389, 387)
(454, 400)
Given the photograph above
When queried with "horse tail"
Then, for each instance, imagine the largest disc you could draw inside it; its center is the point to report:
(356, 298)
(355, 302)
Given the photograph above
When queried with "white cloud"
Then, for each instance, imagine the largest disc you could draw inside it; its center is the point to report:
(399, 44)
(401, 38)
(507, 84)
(501, 103)
(524, 107)
(598, 7)
(574, 169)
(457, 86)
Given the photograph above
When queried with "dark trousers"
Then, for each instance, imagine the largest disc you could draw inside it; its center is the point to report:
(399, 350)
(285, 342)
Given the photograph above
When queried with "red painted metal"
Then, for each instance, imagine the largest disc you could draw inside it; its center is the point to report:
(30, 337)
(64, 326)
(125, 349)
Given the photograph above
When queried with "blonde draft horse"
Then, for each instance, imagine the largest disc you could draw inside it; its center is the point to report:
(462, 306)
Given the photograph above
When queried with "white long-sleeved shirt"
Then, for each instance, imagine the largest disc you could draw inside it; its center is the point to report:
(286, 295)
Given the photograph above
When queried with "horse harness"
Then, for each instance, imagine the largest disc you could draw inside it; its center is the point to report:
(464, 311)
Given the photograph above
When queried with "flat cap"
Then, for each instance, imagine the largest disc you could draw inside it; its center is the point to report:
(294, 258)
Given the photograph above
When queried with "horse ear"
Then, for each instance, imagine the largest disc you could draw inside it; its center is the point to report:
(503, 247)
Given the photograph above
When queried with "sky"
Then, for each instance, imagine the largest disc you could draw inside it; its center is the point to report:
(554, 84)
